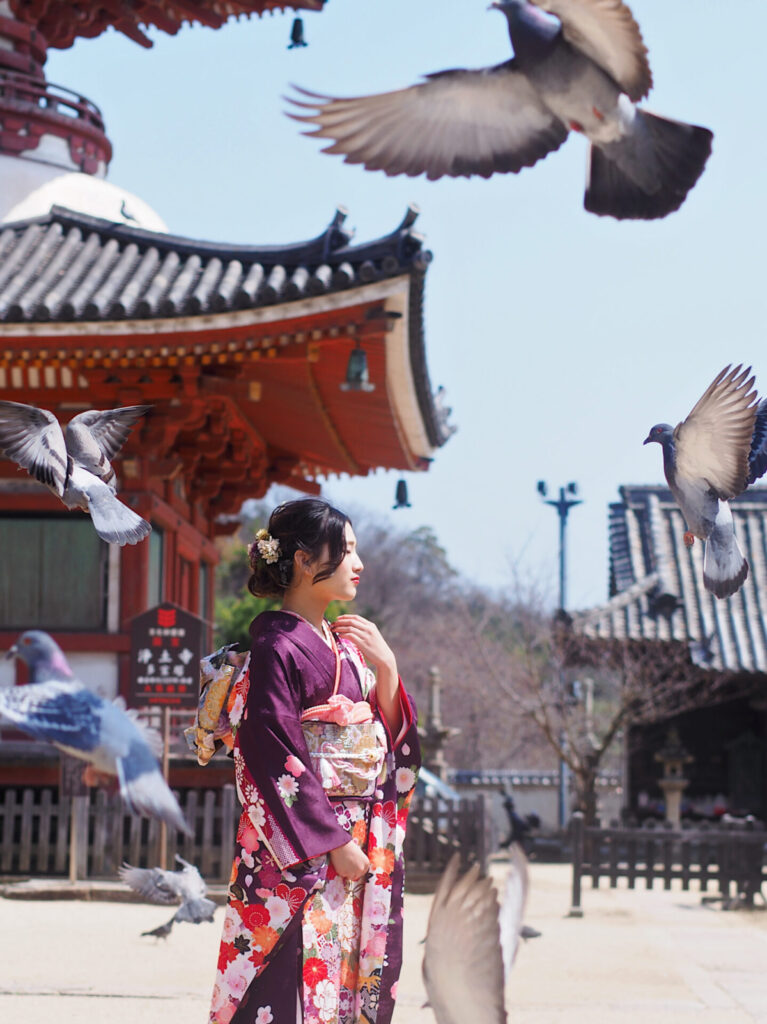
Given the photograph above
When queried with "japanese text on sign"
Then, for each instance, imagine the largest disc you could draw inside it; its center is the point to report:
(165, 654)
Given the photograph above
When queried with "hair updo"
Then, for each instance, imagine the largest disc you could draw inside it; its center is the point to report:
(308, 524)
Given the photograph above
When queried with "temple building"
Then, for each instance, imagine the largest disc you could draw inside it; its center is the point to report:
(657, 598)
(261, 364)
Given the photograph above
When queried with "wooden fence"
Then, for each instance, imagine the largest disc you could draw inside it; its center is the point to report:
(438, 828)
(39, 832)
(37, 829)
(731, 856)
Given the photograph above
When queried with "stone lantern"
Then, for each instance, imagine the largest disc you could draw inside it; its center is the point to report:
(433, 733)
(673, 757)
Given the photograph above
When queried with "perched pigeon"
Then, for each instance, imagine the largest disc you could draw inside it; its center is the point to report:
(711, 457)
(55, 707)
(186, 887)
(470, 946)
(76, 467)
(578, 65)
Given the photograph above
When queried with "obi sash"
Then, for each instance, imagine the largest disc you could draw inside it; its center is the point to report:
(346, 744)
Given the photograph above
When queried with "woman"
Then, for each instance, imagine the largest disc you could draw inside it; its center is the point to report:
(326, 757)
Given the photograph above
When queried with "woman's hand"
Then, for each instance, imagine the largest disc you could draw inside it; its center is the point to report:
(349, 861)
(366, 635)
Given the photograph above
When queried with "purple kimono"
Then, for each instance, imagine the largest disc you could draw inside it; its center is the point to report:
(301, 943)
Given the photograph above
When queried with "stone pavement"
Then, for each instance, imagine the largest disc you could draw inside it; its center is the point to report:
(635, 957)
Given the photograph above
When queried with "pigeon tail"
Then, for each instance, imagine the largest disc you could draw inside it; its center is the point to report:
(147, 792)
(195, 911)
(114, 522)
(648, 173)
(724, 566)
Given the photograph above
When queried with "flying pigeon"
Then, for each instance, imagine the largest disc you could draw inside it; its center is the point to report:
(76, 466)
(56, 707)
(186, 887)
(578, 65)
(711, 457)
(470, 946)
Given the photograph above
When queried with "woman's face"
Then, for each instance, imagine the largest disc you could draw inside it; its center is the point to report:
(342, 585)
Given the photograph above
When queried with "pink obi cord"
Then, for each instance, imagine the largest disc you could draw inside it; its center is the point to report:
(340, 710)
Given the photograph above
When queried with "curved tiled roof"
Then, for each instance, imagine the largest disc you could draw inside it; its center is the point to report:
(656, 583)
(71, 266)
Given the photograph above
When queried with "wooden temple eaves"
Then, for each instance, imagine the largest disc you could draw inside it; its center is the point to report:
(240, 351)
(63, 21)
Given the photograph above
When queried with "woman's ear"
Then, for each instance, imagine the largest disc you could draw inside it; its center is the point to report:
(302, 561)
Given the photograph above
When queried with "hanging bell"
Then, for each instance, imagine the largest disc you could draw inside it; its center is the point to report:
(297, 34)
(401, 495)
(357, 375)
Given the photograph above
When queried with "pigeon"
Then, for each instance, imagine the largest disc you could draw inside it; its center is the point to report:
(76, 466)
(186, 887)
(56, 707)
(470, 946)
(513, 908)
(711, 457)
(578, 65)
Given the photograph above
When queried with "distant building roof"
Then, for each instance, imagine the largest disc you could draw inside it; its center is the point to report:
(656, 583)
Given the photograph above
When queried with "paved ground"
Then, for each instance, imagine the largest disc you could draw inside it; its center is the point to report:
(634, 958)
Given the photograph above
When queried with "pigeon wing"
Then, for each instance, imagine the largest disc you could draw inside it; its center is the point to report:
(457, 123)
(33, 438)
(513, 906)
(605, 31)
(110, 428)
(154, 884)
(94, 437)
(714, 442)
(65, 714)
(462, 963)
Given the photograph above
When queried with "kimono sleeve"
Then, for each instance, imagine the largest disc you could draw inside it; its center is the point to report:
(299, 822)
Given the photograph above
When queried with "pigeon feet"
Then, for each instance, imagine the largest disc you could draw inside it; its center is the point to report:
(688, 538)
(93, 777)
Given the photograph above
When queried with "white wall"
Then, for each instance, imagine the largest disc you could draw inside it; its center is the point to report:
(99, 672)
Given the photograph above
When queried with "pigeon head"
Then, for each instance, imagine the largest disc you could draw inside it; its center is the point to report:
(43, 656)
(663, 433)
(529, 26)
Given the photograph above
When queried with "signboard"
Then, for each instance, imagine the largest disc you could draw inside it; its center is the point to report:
(165, 653)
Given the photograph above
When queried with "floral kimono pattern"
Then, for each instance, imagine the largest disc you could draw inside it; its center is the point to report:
(301, 943)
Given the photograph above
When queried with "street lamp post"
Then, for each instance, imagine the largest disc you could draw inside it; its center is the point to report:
(562, 504)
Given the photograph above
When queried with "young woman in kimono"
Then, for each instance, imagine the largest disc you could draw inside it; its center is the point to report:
(326, 757)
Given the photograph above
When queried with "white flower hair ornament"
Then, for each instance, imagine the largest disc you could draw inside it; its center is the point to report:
(266, 546)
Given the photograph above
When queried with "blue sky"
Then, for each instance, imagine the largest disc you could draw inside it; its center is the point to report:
(559, 336)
